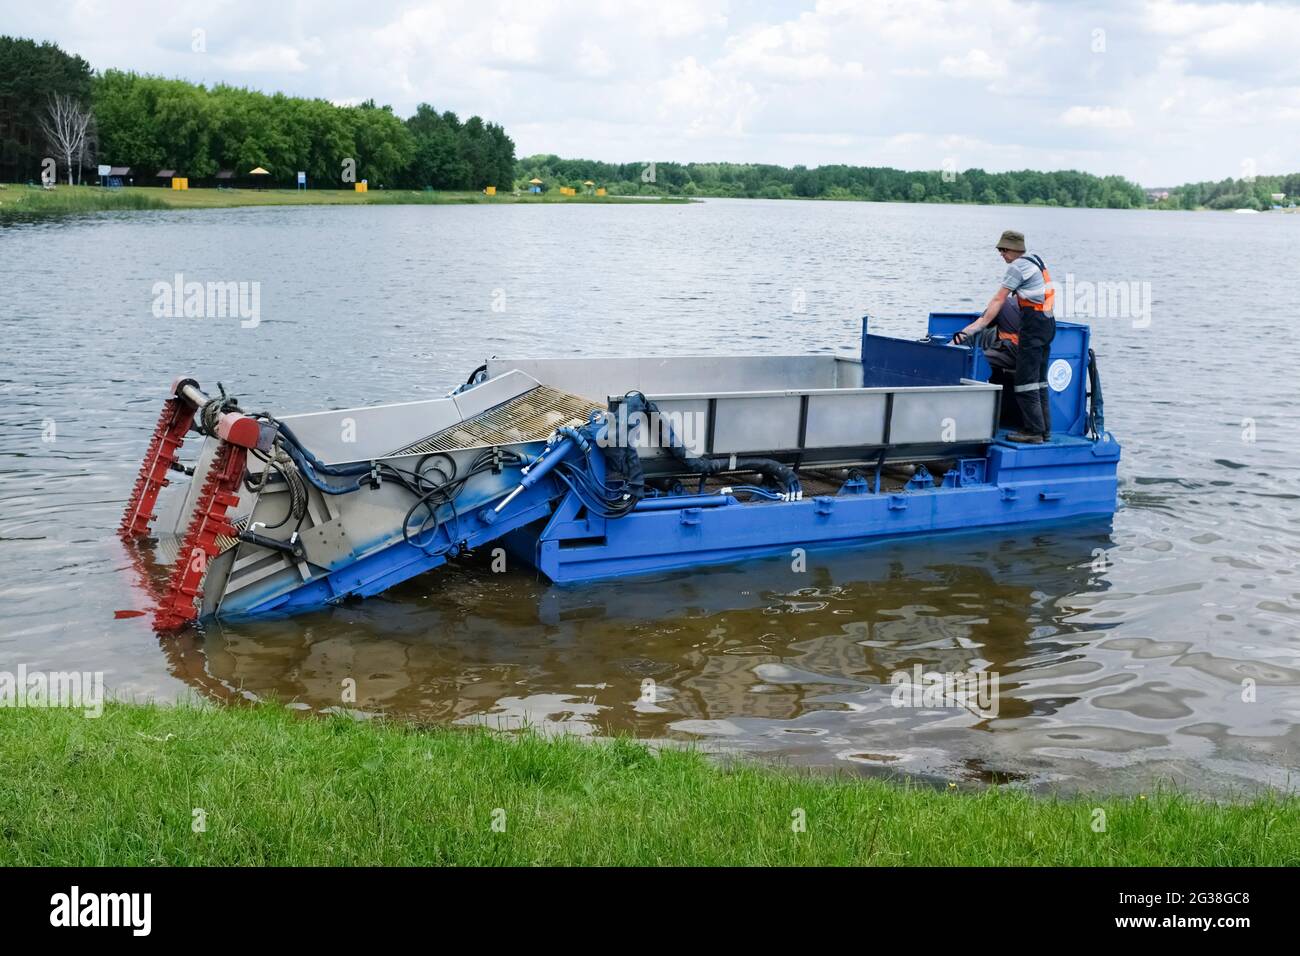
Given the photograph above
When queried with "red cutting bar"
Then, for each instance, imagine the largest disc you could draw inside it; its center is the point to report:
(168, 436)
(179, 604)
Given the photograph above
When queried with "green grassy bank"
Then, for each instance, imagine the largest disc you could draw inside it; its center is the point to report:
(278, 788)
(25, 202)
(22, 201)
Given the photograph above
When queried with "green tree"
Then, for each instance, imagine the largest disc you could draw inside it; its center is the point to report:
(30, 73)
(148, 122)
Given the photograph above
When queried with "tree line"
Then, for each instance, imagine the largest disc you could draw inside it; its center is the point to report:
(150, 123)
(876, 183)
(1255, 192)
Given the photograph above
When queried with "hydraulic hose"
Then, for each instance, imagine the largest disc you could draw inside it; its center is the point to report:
(1096, 406)
(332, 484)
(318, 466)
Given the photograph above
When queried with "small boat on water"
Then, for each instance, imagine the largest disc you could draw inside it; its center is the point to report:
(598, 468)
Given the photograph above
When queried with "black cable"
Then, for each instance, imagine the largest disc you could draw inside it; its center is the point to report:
(433, 487)
(433, 495)
(603, 501)
(290, 489)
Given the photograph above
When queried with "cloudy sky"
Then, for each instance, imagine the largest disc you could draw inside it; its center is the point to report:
(1161, 91)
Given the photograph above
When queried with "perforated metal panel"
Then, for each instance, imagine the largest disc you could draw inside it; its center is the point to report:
(533, 416)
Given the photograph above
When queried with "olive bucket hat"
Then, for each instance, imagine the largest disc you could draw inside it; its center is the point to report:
(1015, 241)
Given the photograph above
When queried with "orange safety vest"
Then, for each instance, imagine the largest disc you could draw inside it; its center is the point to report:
(1049, 294)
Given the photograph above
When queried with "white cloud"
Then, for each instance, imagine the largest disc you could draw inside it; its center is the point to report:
(593, 60)
(1098, 117)
(904, 139)
(1268, 108)
(513, 42)
(799, 51)
(693, 96)
(1233, 43)
(275, 58)
(975, 64)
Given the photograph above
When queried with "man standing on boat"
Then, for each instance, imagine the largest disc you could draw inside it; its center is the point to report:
(1028, 278)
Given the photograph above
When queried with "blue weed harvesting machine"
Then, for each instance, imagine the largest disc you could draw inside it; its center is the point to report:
(596, 468)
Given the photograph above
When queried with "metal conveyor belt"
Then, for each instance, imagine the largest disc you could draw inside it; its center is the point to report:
(530, 417)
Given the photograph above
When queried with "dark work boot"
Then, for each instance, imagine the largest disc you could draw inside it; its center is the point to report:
(1025, 438)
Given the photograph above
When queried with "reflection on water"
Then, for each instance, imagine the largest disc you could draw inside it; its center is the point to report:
(1164, 648)
(761, 658)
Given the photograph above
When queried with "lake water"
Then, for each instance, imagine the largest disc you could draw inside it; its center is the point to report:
(1164, 648)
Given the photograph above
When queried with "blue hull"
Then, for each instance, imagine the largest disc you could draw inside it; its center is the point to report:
(1069, 478)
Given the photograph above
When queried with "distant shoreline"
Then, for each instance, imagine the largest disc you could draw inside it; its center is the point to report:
(22, 201)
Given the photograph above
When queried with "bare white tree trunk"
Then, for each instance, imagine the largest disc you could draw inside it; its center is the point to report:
(89, 149)
(65, 124)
